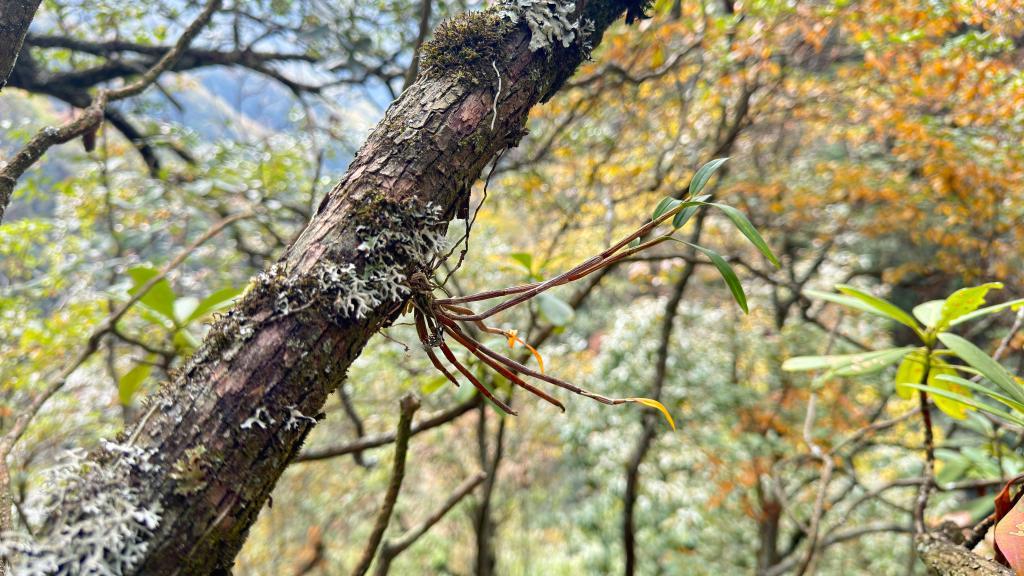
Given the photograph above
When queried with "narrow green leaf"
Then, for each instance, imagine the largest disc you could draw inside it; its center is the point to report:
(700, 179)
(685, 214)
(130, 383)
(882, 307)
(984, 363)
(667, 203)
(969, 402)
(727, 274)
(806, 363)
(840, 299)
(747, 229)
(880, 361)
(981, 389)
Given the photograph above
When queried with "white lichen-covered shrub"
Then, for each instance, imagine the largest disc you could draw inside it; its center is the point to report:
(550, 21)
(96, 522)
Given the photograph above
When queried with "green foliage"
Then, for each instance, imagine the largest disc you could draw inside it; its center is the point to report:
(130, 383)
(703, 174)
(554, 309)
(727, 273)
(683, 210)
(924, 368)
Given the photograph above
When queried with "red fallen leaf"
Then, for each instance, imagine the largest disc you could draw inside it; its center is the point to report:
(1009, 530)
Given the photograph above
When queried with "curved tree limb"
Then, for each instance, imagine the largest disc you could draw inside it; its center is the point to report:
(944, 558)
(92, 117)
(391, 549)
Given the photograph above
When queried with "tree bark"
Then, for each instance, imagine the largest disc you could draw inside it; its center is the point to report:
(211, 445)
(944, 558)
(15, 18)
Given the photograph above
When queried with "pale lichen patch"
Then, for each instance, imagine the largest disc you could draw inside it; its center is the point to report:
(551, 22)
(98, 522)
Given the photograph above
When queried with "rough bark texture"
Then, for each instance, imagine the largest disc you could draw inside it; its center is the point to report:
(224, 430)
(943, 558)
(15, 17)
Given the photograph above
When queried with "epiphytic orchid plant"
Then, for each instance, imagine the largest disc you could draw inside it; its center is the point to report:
(440, 319)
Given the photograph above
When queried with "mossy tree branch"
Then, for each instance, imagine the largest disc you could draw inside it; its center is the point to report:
(220, 435)
(944, 558)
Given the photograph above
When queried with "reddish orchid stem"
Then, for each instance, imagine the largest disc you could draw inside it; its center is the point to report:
(450, 327)
(527, 291)
(473, 348)
(447, 312)
(476, 383)
(421, 329)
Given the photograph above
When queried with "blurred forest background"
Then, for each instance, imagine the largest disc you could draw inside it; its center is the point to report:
(872, 143)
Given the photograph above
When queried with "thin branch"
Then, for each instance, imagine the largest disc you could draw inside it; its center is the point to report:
(384, 439)
(929, 464)
(409, 404)
(391, 549)
(426, 6)
(11, 437)
(357, 423)
(92, 116)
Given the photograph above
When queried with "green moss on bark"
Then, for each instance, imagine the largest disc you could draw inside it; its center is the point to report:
(465, 46)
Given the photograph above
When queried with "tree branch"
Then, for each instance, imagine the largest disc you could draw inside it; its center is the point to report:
(91, 118)
(409, 404)
(944, 558)
(240, 408)
(15, 18)
(367, 442)
(391, 549)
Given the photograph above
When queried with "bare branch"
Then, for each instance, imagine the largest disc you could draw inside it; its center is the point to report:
(91, 118)
(391, 549)
(409, 404)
